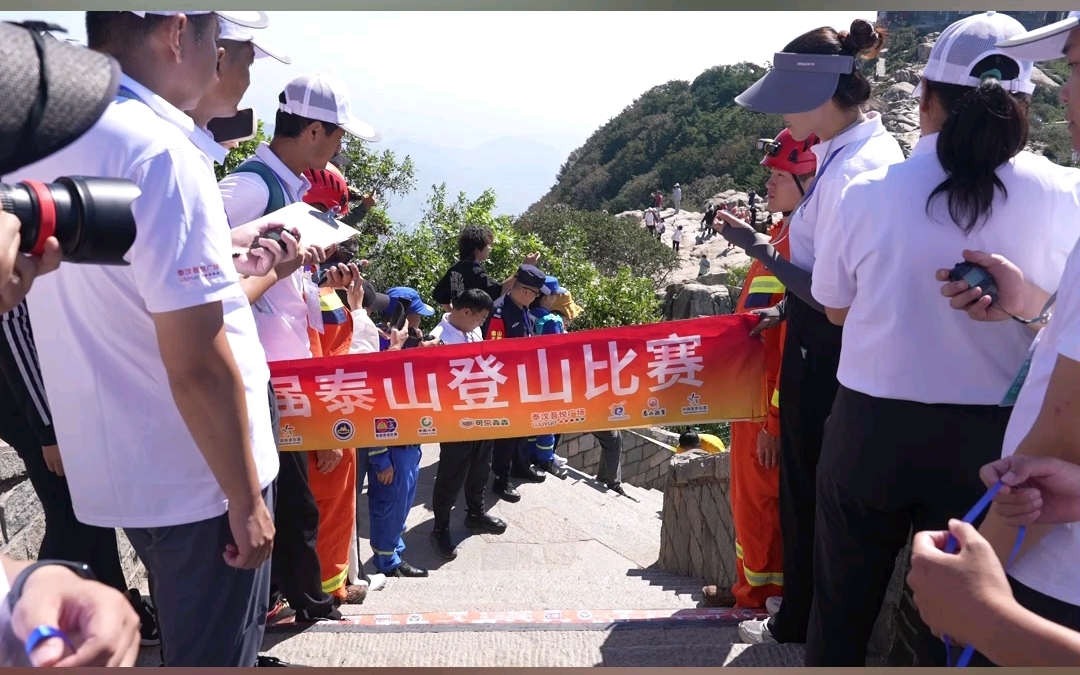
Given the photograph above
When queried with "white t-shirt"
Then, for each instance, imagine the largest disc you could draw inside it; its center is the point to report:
(863, 147)
(129, 458)
(281, 314)
(649, 219)
(365, 339)
(447, 334)
(1053, 566)
(879, 258)
(676, 235)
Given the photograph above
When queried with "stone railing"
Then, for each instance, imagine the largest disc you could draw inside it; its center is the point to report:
(646, 453)
(22, 521)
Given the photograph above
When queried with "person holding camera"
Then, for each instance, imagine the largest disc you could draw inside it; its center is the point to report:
(177, 447)
(903, 451)
(821, 96)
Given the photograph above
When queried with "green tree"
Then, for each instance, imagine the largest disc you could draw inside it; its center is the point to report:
(379, 174)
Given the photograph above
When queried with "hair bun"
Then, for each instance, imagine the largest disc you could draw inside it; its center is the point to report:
(864, 39)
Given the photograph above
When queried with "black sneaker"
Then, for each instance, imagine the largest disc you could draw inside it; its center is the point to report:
(148, 630)
(275, 662)
(407, 570)
(485, 523)
(528, 474)
(443, 545)
(507, 491)
(302, 616)
(617, 488)
(554, 470)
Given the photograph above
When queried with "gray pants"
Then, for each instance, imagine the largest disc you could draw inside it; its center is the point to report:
(610, 470)
(209, 614)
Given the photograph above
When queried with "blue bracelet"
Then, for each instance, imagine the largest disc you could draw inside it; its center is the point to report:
(42, 633)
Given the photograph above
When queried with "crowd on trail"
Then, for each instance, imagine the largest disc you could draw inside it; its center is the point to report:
(919, 353)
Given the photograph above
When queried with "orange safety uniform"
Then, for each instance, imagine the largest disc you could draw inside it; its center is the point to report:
(754, 488)
(334, 492)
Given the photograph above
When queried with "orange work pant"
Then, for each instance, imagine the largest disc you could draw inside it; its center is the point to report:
(335, 495)
(756, 509)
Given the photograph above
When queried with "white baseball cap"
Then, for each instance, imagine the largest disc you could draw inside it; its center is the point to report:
(248, 19)
(967, 42)
(324, 98)
(237, 33)
(1042, 44)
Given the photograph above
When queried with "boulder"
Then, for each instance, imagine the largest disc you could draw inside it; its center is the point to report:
(687, 301)
(898, 92)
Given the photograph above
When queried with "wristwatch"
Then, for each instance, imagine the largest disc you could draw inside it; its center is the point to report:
(80, 569)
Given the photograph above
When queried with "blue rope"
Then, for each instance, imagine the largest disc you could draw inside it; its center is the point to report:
(951, 544)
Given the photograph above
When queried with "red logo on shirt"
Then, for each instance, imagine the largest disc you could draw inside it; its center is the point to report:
(186, 274)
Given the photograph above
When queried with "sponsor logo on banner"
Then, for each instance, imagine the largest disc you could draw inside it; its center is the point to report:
(467, 423)
(618, 413)
(486, 424)
(554, 418)
(694, 407)
(343, 430)
(654, 409)
(288, 436)
(385, 428)
(427, 426)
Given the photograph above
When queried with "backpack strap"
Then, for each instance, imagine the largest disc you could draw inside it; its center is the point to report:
(277, 194)
(538, 328)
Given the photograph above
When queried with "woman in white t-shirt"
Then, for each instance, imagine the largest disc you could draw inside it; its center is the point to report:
(920, 407)
(815, 83)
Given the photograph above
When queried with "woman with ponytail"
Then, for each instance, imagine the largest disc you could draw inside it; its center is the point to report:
(816, 85)
(924, 396)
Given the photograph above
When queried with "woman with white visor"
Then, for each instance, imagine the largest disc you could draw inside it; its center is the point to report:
(816, 85)
(920, 407)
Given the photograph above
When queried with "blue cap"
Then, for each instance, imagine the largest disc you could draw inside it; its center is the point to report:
(409, 295)
(553, 286)
(531, 276)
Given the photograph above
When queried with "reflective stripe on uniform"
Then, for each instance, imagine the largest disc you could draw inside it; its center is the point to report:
(758, 578)
(766, 284)
(776, 398)
(336, 582)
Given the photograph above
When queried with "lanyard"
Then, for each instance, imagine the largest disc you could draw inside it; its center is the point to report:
(813, 186)
(950, 547)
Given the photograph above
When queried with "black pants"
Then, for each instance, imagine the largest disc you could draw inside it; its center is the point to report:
(295, 572)
(887, 466)
(675, 246)
(460, 465)
(807, 389)
(65, 537)
(508, 454)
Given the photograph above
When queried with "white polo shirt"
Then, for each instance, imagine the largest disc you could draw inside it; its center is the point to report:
(281, 314)
(447, 334)
(1053, 566)
(863, 147)
(128, 455)
(902, 340)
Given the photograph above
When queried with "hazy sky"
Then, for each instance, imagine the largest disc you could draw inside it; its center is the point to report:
(458, 79)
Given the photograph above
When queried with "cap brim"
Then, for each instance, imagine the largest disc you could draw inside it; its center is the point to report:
(785, 92)
(561, 291)
(247, 19)
(375, 300)
(1042, 44)
(361, 130)
(263, 50)
(81, 85)
(917, 92)
(426, 310)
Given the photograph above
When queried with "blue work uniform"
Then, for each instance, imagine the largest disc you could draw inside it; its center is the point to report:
(389, 505)
(508, 321)
(541, 448)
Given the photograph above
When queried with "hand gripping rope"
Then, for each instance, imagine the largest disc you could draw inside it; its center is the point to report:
(950, 547)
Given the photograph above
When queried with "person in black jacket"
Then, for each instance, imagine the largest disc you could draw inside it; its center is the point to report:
(26, 425)
(474, 247)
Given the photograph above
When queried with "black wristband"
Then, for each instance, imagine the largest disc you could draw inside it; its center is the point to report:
(80, 569)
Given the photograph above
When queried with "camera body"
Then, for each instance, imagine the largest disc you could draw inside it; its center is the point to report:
(975, 276)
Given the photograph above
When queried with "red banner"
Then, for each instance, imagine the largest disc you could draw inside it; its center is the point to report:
(672, 373)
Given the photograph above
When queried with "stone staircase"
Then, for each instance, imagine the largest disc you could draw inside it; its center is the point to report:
(572, 583)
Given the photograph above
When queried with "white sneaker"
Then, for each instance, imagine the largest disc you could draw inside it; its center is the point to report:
(755, 632)
(376, 581)
(559, 461)
(773, 604)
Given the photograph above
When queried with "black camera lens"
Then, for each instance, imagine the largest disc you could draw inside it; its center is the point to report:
(90, 217)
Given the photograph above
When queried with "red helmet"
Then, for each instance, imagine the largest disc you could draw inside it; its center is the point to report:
(787, 154)
(328, 189)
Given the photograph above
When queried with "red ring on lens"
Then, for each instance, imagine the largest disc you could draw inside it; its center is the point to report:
(46, 214)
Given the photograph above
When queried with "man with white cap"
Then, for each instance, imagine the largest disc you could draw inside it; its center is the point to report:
(314, 115)
(238, 49)
(167, 430)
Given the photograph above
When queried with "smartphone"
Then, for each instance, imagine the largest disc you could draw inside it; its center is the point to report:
(243, 126)
(400, 315)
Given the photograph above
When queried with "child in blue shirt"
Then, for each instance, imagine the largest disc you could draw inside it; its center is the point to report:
(546, 322)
